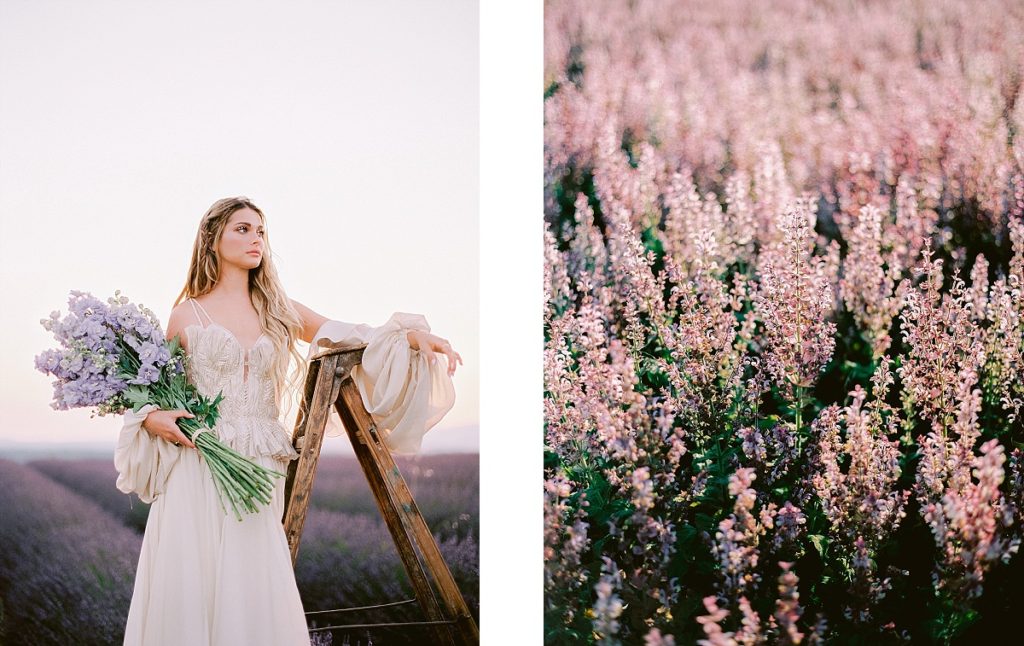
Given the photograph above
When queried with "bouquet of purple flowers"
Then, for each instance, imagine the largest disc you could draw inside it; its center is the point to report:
(114, 356)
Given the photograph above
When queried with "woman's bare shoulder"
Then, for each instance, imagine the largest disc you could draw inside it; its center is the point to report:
(181, 317)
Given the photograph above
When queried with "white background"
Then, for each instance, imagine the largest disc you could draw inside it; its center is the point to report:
(511, 332)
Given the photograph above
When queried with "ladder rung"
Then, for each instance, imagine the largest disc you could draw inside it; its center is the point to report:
(382, 605)
(448, 622)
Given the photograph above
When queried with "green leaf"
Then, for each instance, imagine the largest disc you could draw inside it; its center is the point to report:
(623, 513)
(704, 522)
(551, 459)
(137, 395)
(819, 542)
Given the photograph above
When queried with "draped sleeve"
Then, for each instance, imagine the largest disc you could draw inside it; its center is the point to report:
(143, 461)
(404, 394)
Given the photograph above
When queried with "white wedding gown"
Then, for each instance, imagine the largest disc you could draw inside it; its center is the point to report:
(204, 578)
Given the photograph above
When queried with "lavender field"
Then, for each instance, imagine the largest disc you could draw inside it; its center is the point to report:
(69, 544)
(784, 321)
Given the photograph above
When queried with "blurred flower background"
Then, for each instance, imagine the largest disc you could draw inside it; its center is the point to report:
(784, 321)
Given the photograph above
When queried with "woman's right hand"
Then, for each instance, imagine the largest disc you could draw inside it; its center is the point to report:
(161, 423)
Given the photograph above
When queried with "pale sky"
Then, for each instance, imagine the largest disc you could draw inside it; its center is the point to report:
(352, 125)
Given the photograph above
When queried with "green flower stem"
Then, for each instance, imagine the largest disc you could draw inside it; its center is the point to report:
(260, 473)
(236, 495)
(238, 479)
(799, 417)
(254, 481)
(220, 478)
(241, 489)
(257, 489)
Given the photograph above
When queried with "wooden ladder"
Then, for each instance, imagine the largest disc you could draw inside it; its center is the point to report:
(328, 383)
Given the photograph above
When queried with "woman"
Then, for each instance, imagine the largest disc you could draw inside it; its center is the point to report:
(204, 578)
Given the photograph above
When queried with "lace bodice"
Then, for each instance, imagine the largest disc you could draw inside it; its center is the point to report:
(249, 414)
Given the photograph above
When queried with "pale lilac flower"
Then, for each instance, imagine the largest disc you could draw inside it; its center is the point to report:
(1004, 334)
(961, 500)
(565, 540)
(794, 303)
(789, 521)
(787, 607)
(864, 500)
(977, 293)
(643, 489)
(753, 444)
(655, 638)
(868, 289)
(945, 345)
(557, 289)
(608, 607)
(736, 543)
(715, 635)
(779, 628)
(913, 228)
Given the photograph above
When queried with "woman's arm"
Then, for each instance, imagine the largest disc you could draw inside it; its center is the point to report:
(311, 322)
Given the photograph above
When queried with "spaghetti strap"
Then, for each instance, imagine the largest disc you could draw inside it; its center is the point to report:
(195, 303)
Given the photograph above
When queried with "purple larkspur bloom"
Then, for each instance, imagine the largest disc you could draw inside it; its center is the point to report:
(71, 394)
(93, 329)
(147, 375)
(144, 328)
(127, 318)
(48, 360)
(74, 363)
(82, 302)
(97, 341)
(132, 342)
(148, 352)
(58, 396)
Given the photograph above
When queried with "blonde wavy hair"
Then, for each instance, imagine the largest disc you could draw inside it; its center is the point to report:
(279, 320)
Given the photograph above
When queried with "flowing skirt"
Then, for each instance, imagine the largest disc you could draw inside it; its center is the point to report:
(206, 579)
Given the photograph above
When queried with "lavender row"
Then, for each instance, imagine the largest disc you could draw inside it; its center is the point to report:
(66, 565)
(350, 560)
(95, 480)
(346, 559)
(446, 489)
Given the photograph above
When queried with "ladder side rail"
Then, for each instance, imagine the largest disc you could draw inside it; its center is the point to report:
(409, 514)
(299, 432)
(324, 393)
(404, 542)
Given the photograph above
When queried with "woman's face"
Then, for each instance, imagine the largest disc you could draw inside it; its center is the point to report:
(241, 242)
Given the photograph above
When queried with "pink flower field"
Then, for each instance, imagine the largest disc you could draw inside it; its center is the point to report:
(784, 321)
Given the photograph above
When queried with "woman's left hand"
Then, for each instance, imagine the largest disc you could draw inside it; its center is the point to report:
(429, 344)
